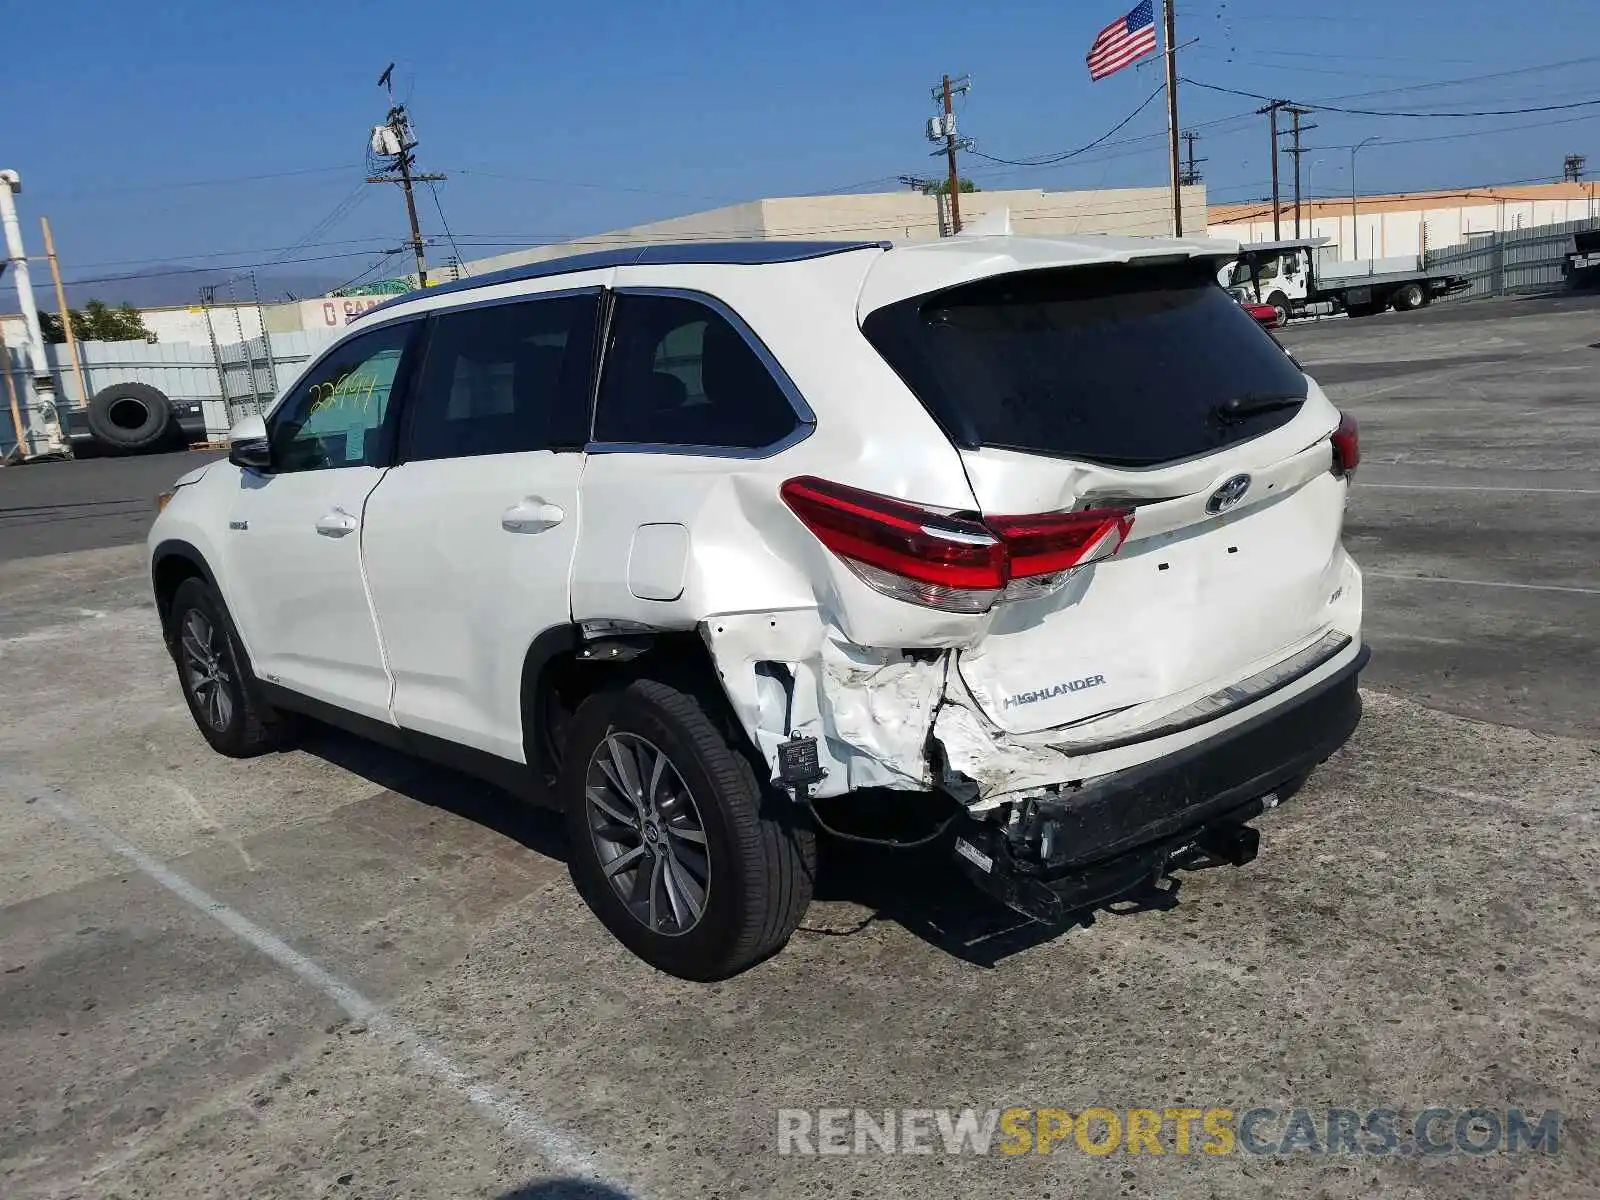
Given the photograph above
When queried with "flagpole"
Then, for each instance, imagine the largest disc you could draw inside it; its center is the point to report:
(1172, 117)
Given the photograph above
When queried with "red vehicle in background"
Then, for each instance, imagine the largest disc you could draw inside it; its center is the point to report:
(1270, 316)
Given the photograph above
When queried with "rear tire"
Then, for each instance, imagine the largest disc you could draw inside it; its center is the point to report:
(216, 678)
(686, 855)
(131, 417)
(1410, 298)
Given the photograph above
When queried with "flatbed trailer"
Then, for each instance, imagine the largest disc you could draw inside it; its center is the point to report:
(1286, 275)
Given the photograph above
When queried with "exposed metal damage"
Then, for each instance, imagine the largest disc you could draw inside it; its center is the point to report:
(882, 718)
(906, 720)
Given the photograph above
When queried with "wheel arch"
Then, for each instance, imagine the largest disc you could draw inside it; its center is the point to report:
(561, 669)
(173, 561)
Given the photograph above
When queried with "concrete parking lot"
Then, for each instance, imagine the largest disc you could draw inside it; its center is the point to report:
(338, 972)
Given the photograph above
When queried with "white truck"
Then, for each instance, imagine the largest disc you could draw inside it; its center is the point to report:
(1294, 279)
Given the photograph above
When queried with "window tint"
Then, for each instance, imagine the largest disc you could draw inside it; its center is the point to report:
(504, 379)
(1128, 365)
(337, 416)
(679, 374)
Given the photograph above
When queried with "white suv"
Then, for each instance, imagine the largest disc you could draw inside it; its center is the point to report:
(686, 539)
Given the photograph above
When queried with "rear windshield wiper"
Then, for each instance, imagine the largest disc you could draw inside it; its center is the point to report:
(1241, 407)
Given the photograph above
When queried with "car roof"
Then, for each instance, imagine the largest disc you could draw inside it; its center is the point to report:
(745, 253)
(920, 268)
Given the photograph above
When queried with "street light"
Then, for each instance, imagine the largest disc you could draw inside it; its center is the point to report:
(1311, 196)
(1355, 230)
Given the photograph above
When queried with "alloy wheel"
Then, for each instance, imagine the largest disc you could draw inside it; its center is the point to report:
(648, 833)
(205, 669)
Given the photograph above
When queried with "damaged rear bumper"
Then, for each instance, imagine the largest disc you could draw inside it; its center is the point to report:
(1052, 857)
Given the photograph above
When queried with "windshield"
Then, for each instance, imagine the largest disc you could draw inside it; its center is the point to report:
(1125, 365)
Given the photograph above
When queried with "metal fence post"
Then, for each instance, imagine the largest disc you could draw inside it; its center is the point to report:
(266, 339)
(207, 296)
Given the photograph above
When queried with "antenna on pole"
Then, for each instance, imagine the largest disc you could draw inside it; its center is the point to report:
(386, 80)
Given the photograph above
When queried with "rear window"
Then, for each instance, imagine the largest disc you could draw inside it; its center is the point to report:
(1124, 365)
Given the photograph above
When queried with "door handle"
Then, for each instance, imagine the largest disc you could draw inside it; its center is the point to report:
(533, 515)
(336, 524)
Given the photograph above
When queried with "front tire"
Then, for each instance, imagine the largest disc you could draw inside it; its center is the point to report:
(1280, 302)
(215, 676)
(685, 855)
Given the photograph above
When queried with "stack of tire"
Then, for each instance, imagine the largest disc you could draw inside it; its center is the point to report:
(130, 418)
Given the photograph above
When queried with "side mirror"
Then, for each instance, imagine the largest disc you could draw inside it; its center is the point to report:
(248, 446)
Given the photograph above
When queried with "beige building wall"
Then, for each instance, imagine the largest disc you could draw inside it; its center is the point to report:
(894, 216)
(908, 216)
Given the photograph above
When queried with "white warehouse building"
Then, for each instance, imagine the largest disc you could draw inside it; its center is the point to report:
(1405, 224)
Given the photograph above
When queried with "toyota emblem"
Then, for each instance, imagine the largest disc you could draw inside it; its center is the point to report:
(1230, 493)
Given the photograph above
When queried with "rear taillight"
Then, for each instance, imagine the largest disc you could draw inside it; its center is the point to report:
(1346, 446)
(954, 563)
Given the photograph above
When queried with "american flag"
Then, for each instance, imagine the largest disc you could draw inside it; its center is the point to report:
(1124, 41)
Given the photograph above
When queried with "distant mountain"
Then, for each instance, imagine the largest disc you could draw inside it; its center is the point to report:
(172, 284)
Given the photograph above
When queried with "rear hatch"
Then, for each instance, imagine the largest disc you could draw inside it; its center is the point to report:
(1137, 386)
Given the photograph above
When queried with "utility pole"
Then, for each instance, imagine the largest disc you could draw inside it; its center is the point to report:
(46, 437)
(394, 140)
(1191, 171)
(950, 151)
(1271, 110)
(61, 308)
(1297, 112)
(1171, 23)
(943, 128)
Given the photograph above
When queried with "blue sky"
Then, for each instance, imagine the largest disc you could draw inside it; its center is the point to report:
(135, 124)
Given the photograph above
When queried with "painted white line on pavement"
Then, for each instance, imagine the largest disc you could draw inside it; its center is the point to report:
(1488, 583)
(1463, 487)
(554, 1147)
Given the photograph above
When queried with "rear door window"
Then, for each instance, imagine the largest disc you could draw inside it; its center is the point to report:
(1123, 365)
(678, 373)
(505, 379)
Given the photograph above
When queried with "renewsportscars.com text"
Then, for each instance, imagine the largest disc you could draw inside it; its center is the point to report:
(1379, 1132)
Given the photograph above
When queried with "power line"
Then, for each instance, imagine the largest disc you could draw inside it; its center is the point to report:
(123, 188)
(179, 259)
(1047, 159)
(460, 258)
(1430, 85)
(235, 267)
(1216, 125)
(342, 209)
(1368, 112)
(370, 268)
(604, 187)
(1470, 133)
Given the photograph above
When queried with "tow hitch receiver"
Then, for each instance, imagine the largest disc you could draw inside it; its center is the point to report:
(1232, 844)
(1062, 895)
